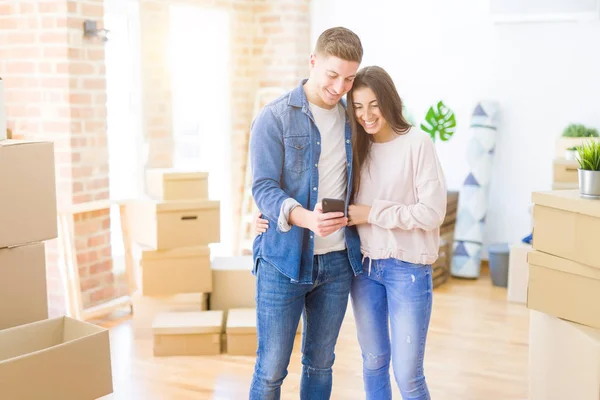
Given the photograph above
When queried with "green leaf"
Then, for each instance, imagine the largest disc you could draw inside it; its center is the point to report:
(588, 155)
(579, 130)
(439, 122)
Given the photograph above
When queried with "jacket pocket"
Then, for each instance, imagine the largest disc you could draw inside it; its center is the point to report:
(297, 153)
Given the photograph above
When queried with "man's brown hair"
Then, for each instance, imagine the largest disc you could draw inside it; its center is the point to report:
(340, 42)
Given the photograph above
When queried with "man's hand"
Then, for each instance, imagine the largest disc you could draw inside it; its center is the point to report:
(358, 214)
(260, 225)
(321, 224)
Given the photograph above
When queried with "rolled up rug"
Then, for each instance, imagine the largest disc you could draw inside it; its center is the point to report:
(472, 203)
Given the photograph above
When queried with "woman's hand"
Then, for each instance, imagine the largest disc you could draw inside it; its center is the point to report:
(358, 214)
(260, 225)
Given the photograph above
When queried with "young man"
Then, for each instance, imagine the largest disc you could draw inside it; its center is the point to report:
(301, 152)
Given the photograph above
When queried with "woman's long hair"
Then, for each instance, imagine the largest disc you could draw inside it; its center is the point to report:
(389, 103)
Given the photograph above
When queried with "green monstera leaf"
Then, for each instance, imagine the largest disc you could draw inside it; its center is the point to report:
(439, 121)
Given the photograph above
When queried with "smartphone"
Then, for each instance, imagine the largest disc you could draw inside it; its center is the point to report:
(333, 205)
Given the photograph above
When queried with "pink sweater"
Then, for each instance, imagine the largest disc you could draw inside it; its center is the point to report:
(404, 184)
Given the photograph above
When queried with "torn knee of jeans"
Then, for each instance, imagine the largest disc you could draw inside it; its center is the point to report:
(317, 371)
(375, 362)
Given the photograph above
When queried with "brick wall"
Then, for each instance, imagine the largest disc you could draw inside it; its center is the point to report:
(56, 90)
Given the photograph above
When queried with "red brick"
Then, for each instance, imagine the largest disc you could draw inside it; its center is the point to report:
(104, 294)
(89, 283)
(94, 54)
(8, 22)
(72, 6)
(92, 11)
(49, 7)
(6, 9)
(94, 83)
(82, 198)
(80, 98)
(27, 8)
(102, 267)
(21, 38)
(51, 37)
(103, 195)
(55, 52)
(81, 68)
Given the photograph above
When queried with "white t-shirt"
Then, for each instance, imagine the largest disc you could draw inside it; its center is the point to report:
(331, 167)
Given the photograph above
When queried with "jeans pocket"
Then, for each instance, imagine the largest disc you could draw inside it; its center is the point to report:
(296, 153)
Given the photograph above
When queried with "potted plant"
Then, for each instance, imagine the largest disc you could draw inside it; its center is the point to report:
(589, 169)
(571, 153)
(573, 136)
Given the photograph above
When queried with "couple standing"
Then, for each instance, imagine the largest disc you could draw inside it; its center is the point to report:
(309, 145)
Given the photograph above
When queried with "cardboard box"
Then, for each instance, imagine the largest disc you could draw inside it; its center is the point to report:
(28, 193)
(234, 286)
(564, 288)
(564, 359)
(187, 333)
(145, 309)
(241, 332)
(171, 272)
(55, 359)
(23, 287)
(164, 226)
(170, 184)
(518, 273)
(565, 171)
(565, 185)
(567, 225)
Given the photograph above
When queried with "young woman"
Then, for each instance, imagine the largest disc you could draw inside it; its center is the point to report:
(399, 203)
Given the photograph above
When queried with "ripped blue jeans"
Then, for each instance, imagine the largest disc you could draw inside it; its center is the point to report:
(279, 305)
(401, 293)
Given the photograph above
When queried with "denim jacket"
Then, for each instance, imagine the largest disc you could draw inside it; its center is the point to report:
(285, 151)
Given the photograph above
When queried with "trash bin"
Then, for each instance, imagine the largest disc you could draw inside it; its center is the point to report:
(498, 261)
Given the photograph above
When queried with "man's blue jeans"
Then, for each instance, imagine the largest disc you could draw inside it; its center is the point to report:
(402, 292)
(280, 303)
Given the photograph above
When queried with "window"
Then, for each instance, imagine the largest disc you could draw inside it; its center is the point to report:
(199, 63)
(125, 141)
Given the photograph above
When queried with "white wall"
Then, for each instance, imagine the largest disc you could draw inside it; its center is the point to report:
(544, 75)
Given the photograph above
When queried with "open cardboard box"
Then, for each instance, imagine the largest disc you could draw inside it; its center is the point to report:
(55, 359)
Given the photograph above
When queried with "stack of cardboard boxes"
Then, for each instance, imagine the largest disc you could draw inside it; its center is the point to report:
(40, 358)
(172, 228)
(565, 177)
(234, 293)
(564, 296)
(189, 302)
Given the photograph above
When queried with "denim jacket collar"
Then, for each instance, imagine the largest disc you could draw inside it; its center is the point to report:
(298, 98)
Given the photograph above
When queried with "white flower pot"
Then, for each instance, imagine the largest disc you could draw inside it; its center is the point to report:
(571, 155)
